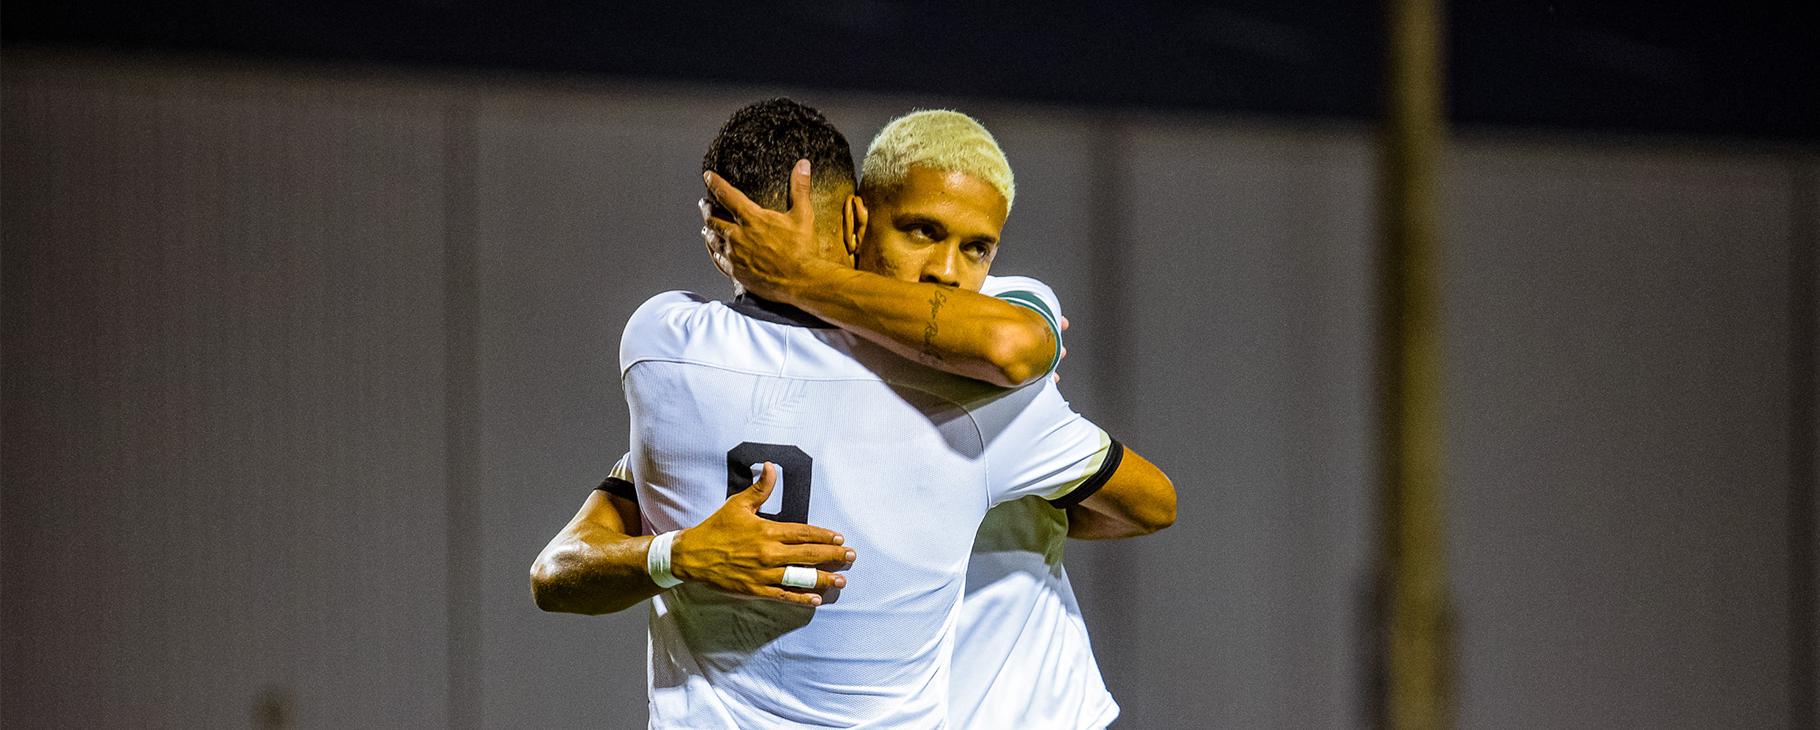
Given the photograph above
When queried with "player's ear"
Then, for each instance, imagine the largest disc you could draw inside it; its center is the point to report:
(854, 218)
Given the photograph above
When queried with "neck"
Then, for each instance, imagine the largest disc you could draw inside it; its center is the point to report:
(776, 312)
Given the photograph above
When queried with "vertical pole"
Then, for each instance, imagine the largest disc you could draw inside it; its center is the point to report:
(1804, 692)
(1413, 626)
(462, 404)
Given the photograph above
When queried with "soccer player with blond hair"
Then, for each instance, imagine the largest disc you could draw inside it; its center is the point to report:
(900, 457)
(1022, 658)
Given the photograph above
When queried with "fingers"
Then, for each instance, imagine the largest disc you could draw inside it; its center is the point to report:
(812, 555)
(824, 580)
(1064, 319)
(755, 495)
(713, 229)
(810, 545)
(712, 238)
(719, 235)
(789, 532)
(800, 204)
(776, 591)
(787, 595)
(730, 197)
(717, 249)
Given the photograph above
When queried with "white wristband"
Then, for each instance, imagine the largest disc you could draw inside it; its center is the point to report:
(657, 560)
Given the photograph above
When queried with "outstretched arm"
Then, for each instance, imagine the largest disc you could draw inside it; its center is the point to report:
(775, 255)
(596, 566)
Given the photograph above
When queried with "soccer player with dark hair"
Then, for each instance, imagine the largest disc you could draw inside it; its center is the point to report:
(905, 460)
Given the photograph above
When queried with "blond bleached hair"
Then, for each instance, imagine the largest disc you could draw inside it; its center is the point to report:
(939, 139)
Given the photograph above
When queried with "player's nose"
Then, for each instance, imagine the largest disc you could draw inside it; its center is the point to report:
(941, 267)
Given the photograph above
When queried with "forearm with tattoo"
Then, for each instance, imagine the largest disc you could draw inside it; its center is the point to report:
(932, 353)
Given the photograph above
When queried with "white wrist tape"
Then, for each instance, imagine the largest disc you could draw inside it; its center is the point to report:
(657, 560)
(797, 576)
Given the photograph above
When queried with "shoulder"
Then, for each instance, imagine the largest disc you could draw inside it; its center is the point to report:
(660, 327)
(669, 304)
(996, 285)
(1026, 292)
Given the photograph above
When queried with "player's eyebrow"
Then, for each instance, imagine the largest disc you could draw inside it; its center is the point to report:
(905, 220)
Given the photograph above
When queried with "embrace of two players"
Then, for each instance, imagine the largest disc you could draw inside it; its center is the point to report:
(848, 488)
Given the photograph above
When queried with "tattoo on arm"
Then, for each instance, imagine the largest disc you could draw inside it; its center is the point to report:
(931, 352)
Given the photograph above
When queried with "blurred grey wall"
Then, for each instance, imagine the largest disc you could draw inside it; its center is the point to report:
(302, 367)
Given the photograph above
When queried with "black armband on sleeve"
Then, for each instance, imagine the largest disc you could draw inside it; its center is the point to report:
(619, 488)
(1115, 453)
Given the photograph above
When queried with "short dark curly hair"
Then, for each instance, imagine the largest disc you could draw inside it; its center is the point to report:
(760, 144)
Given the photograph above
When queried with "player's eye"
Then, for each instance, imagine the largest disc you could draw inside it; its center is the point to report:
(978, 250)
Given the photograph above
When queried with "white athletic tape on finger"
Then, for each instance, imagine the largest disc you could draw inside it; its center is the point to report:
(797, 576)
(657, 560)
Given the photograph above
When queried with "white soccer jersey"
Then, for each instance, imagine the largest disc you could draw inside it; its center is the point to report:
(1022, 658)
(903, 460)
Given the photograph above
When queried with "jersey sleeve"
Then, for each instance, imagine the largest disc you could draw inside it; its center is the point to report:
(1048, 450)
(1035, 296)
(619, 481)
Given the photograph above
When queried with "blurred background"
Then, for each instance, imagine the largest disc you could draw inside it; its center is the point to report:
(311, 315)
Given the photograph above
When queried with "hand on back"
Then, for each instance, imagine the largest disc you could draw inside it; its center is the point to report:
(738, 551)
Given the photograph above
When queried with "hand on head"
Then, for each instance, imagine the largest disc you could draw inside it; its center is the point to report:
(767, 251)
